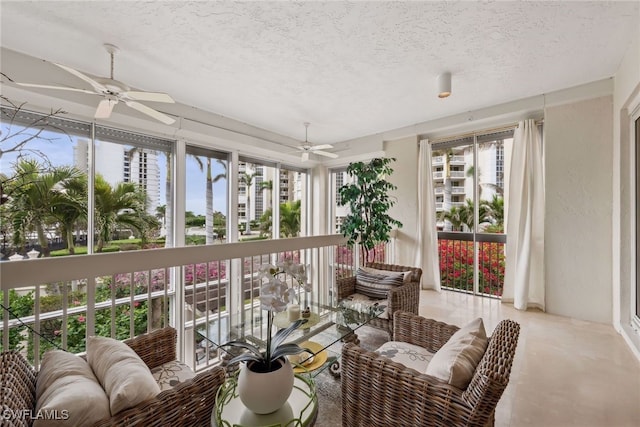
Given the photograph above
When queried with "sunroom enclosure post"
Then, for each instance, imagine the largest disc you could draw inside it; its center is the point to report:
(177, 273)
(235, 300)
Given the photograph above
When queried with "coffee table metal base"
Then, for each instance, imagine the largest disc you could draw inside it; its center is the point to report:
(301, 409)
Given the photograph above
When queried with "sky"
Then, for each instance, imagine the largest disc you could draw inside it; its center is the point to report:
(59, 150)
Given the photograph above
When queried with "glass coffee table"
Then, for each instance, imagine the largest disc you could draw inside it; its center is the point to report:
(327, 328)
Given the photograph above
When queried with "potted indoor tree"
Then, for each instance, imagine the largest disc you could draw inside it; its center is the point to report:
(368, 222)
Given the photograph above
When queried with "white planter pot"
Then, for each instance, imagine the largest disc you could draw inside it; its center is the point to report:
(264, 393)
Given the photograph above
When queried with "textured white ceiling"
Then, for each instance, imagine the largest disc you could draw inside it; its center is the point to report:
(351, 69)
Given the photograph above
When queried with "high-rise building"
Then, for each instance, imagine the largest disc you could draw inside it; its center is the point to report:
(118, 163)
(453, 175)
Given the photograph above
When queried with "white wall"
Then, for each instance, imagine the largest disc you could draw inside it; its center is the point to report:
(578, 179)
(405, 173)
(578, 143)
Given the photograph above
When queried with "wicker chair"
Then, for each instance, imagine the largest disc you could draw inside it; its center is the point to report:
(379, 392)
(403, 298)
(190, 403)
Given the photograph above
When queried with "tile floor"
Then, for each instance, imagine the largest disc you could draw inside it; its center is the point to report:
(566, 372)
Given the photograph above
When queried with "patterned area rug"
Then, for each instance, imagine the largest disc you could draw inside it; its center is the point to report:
(329, 388)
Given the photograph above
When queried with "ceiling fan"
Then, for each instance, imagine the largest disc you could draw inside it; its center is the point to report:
(113, 92)
(307, 148)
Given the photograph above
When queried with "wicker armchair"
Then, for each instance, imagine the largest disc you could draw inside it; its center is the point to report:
(379, 392)
(190, 403)
(403, 298)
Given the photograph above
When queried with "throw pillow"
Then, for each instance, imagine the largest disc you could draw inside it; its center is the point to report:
(170, 374)
(410, 355)
(377, 285)
(124, 376)
(456, 361)
(68, 392)
(406, 274)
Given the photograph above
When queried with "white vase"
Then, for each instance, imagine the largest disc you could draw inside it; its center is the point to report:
(265, 392)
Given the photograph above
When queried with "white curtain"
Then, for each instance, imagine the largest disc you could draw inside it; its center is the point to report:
(427, 253)
(524, 275)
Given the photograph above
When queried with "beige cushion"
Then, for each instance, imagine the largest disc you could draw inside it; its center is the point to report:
(410, 355)
(68, 391)
(406, 274)
(123, 375)
(170, 374)
(456, 361)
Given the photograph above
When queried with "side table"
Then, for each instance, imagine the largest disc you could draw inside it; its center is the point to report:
(300, 410)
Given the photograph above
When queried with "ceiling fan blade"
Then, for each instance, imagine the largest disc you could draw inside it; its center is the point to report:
(73, 89)
(148, 96)
(321, 147)
(326, 154)
(99, 87)
(105, 107)
(305, 156)
(150, 112)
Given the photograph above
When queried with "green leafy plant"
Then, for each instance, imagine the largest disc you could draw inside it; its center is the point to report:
(368, 222)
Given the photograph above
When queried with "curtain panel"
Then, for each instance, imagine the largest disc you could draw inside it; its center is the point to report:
(524, 274)
(427, 256)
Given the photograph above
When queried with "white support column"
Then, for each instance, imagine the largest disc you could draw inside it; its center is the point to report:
(275, 206)
(179, 202)
(234, 267)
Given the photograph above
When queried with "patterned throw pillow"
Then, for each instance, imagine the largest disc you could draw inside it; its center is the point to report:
(408, 275)
(410, 355)
(171, 374)
(376, 285)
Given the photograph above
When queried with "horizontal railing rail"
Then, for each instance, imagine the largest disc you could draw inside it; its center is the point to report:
(21, 273)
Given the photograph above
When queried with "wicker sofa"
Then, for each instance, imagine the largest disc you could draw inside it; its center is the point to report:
(379, 392)
(189, 403)
(400, 298)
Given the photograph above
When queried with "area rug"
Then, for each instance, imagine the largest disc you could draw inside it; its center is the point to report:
(329, 388)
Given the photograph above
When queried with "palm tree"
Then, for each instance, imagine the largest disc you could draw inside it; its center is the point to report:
(290, 219)
(266, 223)
(209, 197)
(161, 214)
(209, 193)
(119, 205)
(454, 216)
(495, 209)
(69, 206)
(267, 188)
(467, 213)
(247, 179)
(33, 192)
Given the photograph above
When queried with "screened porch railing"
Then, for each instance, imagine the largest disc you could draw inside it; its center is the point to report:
(459, 266)
(58, 302)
